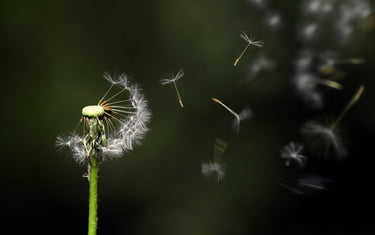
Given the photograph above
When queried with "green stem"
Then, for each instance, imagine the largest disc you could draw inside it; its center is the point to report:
(93, 200)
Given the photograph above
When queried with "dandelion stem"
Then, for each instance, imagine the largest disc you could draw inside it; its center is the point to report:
(95, 137)
(354, 99)
(93, 200)
(243, 52)
(178, 94)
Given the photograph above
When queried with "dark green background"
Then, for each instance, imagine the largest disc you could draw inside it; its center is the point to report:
(53, 56)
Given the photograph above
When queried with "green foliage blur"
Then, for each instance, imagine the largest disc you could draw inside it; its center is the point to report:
(54, 54)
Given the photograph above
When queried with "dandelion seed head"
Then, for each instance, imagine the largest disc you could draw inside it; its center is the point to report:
(121, 121)
(292, 151)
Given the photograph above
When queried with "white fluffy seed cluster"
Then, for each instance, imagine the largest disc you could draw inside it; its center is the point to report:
(133, 127)
(130, 131)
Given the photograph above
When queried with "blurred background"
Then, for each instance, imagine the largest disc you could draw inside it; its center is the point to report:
(54, 54)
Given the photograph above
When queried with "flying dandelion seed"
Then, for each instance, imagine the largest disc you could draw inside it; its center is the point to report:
(251, 42)
(325, 137)
(122, 122)
(292, 151)
(243, 115)
(174, 78)
(309, 184)
(216, 166)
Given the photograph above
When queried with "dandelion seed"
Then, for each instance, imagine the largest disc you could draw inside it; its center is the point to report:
(216, 166)
(261, 63)
(350, 61)
(317, 7)
(244, 114)
(273, 20)
(292, 151)
(120, 123)
(250, 41)
(307, 82)
(219, 148)
(308, 184)
(257, 3)
(352, 13)
(292, 189)
(174, 78)
(326, 137)
(311, 184)
(309, 31)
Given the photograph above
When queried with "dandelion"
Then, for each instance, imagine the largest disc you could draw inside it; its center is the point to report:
(244, 114)
(327, 136)
(250, 41)
(109, 128)
(292, 151)
(216, 166)
(174, 78)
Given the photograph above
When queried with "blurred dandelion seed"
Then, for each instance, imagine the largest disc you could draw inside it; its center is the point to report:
(243, 115)
(326, 136)
(350, 61)
(174, 78)
(250, 41)
(308, 184)
(329, 83)
(292, 189)
(261, 63)
(292, 151)
(216, 166)
(311, 183)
